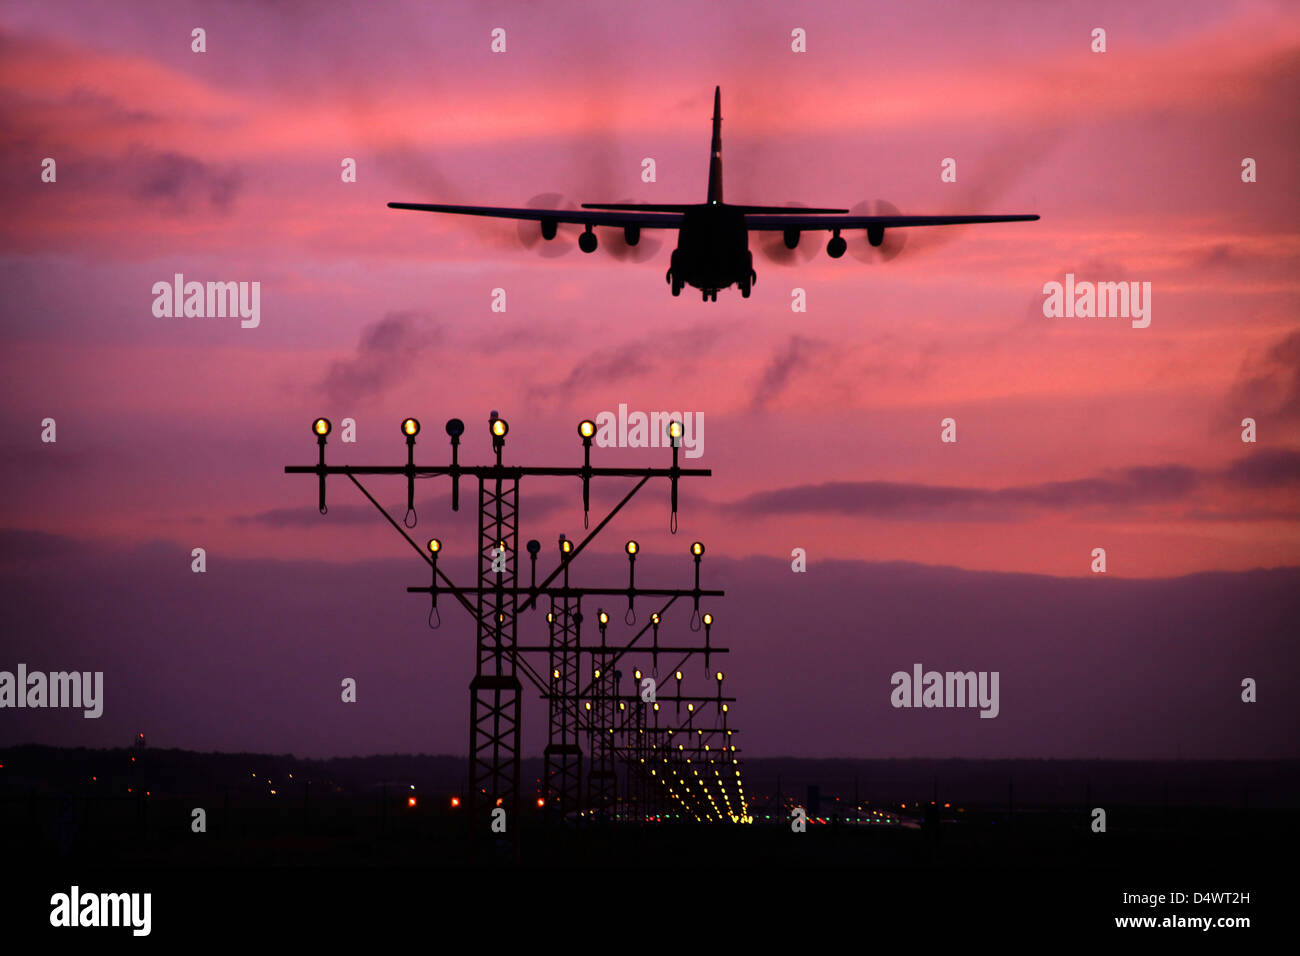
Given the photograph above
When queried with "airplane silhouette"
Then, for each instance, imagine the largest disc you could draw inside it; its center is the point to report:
(713, 236)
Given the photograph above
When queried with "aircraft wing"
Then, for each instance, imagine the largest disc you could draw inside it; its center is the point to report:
(862, 222)
(582, 217)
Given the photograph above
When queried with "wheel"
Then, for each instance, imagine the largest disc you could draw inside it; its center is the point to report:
(677, 287)
(744, 289)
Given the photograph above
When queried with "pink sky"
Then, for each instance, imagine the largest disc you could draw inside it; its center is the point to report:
(224, 165)
(822, 428)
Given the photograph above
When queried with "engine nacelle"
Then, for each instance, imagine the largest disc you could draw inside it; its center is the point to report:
(837, 246)
(875, 235)
(632, 235)
(549, 228)
(791, 238)
(587, 241)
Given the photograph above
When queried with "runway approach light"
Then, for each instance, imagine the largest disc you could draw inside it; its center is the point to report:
(321, 427)
(587, 429)
(697, 549)
(410, 427)
(499, 427)
(434, 545)
(632, 547)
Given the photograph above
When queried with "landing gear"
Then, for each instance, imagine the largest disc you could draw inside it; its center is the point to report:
(745, 285)
(709, 295)
(671, 276)
(672, 281)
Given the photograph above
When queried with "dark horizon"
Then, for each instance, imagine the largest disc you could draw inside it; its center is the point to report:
(1129, 669)
(1033, 781)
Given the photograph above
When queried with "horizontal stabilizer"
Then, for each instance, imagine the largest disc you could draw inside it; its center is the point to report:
(747, 210)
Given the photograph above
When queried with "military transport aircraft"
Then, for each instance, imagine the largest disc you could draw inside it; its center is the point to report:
(713, 236)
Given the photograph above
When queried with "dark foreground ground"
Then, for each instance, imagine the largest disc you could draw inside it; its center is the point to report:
(338, 847)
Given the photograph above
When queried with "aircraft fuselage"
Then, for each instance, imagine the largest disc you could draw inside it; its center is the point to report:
(712, 251)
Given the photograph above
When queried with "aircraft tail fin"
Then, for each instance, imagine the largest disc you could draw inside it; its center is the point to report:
(715, 150)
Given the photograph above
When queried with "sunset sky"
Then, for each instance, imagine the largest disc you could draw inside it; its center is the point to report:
(822, 428)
